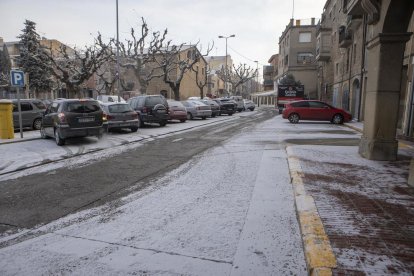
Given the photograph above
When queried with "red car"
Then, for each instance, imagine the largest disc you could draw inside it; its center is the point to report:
(177, 111)
(314, 111)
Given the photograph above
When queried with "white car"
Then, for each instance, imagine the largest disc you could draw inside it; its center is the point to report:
(248, 104)
(109, 99)
(239, 102)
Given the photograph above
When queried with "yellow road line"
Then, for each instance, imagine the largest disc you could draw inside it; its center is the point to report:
(319, 256)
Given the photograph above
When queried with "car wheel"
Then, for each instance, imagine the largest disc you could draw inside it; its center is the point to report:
(294, 118)
(213, 115)
(230, 114)
(59, 141)
(204, 117)
(182, 121)
(337, 119)
(37, 124)
(189, 116)
(43, 133)
(134, 129)
(163, 123)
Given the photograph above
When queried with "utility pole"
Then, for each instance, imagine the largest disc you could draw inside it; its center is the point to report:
(225, 72)
(257, 75)
(117, 54)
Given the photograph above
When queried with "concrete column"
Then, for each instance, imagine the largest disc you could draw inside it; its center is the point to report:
(384, 63)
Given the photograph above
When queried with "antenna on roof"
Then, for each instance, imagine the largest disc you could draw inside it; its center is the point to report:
(293, 8)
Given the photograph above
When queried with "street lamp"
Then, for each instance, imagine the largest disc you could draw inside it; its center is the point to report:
(117, 54)
(225, 72)
(257, 75)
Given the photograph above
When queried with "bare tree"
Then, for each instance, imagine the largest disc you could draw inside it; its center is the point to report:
(74, 67)
(241, 74)
(202, 77)
(174, 63)
(139, 55)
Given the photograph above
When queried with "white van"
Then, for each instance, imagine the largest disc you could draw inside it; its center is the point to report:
(239, 101)
(109, 99)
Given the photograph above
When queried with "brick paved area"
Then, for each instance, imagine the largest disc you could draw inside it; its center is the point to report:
(366, 207)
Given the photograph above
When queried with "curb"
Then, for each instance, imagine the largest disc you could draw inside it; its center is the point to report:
(19, 141)
(319, 256)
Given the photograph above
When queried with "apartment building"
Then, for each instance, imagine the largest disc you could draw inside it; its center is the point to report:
(365, 57)
(215, 84)
(270, 73)
(339, 54)
(297, 49)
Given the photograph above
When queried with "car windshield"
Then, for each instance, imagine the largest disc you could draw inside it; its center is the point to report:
(119, 108)
(153, 101)
(175, 104)
(40, 105)
(82, 107)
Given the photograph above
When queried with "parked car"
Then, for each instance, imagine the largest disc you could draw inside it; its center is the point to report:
(109, 98)
(239, 102)
(150, 109)
(69, 118)
(315, 111)
(226, 106)
(32, 112)
(118, 116)
(215, 107)
(197, 109)
(248, 104)
(177, 111)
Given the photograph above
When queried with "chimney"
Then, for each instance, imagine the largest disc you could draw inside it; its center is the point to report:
(297, 22)
(313, 21)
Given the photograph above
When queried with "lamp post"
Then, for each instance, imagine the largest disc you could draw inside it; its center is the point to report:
(117, 54)
(225, 72)
(257, 75)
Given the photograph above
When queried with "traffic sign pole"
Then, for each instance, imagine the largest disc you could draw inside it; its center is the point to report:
(17, 80)
(19, 107)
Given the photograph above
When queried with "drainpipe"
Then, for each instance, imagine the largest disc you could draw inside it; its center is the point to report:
(361, 85)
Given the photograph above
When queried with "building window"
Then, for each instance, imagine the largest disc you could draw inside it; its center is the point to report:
(305, 37)
(286, 59)
(337, 68)
(305, 58)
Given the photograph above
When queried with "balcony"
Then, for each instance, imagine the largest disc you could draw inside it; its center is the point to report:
(268, 83)
(353, 22)
(323, 45)
(353, 7)
(344, 37)
(268, 70)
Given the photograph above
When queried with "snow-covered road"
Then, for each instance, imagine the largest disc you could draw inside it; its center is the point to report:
(227, 212)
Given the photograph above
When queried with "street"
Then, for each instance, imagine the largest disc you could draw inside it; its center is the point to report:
(212, 200)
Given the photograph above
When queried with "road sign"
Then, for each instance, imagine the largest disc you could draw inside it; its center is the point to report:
(17, 78)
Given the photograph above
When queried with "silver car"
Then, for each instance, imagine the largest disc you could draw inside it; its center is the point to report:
(32, 112)
(197, 109)
(118, 115)
(248, 104)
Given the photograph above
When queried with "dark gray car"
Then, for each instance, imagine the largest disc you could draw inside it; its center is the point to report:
(72, 118)
(119, 115)
(32, 111)
(150, 109)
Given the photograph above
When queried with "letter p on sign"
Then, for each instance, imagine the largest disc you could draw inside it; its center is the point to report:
(17, 78)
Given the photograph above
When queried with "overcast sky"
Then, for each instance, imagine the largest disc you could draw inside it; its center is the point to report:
(257, 24)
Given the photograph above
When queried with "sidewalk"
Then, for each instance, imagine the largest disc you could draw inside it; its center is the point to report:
(366, 209)
(27, 135)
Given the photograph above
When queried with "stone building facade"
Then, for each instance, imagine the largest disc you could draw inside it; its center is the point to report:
(365, 57)
(339, 54)
(270, 73)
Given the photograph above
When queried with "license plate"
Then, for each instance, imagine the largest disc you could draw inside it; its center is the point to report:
(86, 120)
(123, 125)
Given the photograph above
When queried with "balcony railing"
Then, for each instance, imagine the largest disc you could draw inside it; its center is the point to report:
(344, 37)
(323, 45)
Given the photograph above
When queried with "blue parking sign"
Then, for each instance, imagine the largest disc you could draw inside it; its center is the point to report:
(17, 78)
